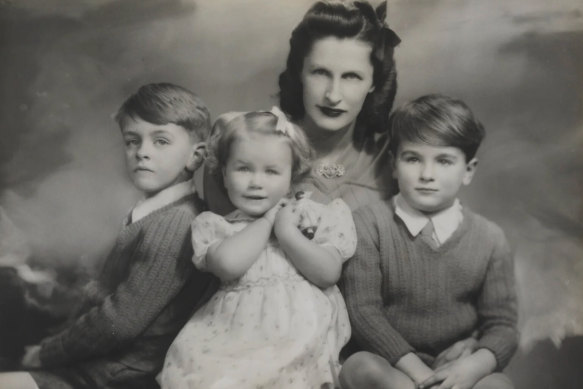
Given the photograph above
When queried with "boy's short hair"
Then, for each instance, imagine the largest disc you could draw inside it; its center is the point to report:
(437, 120)
(164, 103)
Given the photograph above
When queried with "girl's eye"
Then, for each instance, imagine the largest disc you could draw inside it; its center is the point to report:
(242, 169)
(411, 159)
(272, 172)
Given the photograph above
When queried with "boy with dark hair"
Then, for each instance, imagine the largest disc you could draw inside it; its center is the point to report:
(428, 272)
(149, 286)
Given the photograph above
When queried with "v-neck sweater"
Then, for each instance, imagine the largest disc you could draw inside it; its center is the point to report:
(403, 295)
(146, 291)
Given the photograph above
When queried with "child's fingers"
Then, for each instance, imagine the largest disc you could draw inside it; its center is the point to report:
(436, 378)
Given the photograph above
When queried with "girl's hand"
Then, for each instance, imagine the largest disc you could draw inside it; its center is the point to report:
(31, 357)
(271, 214)
(287, 218)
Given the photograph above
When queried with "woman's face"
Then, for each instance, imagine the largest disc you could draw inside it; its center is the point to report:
(336, 76)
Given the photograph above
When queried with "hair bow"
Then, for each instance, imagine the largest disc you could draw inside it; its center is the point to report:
(283, 125)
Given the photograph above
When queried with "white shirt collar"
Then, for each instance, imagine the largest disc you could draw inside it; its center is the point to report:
(145, 207)
(445, 222)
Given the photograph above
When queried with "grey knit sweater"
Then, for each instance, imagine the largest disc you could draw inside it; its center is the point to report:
(149, 288)
(404, 296)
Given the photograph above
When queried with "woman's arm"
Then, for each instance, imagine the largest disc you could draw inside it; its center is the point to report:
(321, 265)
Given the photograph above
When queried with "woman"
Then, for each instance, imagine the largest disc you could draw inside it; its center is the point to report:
(339, 86)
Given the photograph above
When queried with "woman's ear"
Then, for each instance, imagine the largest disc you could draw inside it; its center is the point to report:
(197, 156)
(470, 171)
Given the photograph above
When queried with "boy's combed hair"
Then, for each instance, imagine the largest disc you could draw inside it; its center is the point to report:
(164, 103)
(437, 120)
(234, 125)
(352, 19)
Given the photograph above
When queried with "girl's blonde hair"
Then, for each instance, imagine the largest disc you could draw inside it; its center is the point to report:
(232, 125)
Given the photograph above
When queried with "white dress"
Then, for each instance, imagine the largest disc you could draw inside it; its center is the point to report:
(271, 328)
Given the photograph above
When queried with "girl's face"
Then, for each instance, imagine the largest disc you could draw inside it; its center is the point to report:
(258, 173)
(336, 76)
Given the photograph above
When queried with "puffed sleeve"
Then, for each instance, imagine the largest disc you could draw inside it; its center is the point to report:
(336, 228)
(208, 228)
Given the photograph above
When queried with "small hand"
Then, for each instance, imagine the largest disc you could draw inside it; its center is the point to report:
(310, 216)
(287, 218)
(270, 215)
(458, 350)
(31, 358)
(462, 373)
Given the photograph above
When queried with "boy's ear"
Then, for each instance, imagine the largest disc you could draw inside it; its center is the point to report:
(197, 156)
(470, 171)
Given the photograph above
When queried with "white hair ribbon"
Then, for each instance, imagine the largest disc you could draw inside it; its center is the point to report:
(283, 125)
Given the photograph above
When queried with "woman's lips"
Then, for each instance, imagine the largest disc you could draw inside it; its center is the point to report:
(331, 112)
(426, 190)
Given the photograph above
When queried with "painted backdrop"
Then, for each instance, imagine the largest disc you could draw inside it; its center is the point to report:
(66, 65)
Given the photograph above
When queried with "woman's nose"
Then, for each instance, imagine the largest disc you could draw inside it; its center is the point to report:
(333, 93)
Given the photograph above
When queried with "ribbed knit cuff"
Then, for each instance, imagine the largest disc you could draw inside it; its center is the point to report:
(503, 346)
(52, 352)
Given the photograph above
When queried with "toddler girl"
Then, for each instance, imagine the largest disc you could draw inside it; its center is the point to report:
(277, 321)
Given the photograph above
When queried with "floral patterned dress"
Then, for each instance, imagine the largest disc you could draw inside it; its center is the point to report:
(271, 328)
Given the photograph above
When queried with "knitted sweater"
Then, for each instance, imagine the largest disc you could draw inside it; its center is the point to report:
(404, 296)
(149, 288)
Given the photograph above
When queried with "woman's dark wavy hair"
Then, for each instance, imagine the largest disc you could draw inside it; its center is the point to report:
(358, 20)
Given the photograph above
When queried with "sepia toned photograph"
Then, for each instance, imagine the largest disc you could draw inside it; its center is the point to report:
(291, 194)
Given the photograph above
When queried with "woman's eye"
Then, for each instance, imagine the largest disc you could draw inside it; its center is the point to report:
(352, 76)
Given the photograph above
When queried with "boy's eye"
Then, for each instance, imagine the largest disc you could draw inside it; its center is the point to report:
(161, 141)
(445, 162)
(131, 142)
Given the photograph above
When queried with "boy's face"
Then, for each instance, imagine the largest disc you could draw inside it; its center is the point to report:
(157, 155)
(430, 177)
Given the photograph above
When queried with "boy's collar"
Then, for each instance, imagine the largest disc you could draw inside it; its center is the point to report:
(175, 192)
(445, 222)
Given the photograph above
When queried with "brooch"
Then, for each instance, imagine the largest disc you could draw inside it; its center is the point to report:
(331, 170)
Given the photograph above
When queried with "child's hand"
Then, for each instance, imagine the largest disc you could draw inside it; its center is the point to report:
(31, 358)
(287, 218)
(458, 350)
(270, 215)
(462, 373)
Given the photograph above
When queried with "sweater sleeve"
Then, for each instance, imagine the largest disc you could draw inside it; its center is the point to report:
(362, 289)
(161, 267)
(497, 304)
